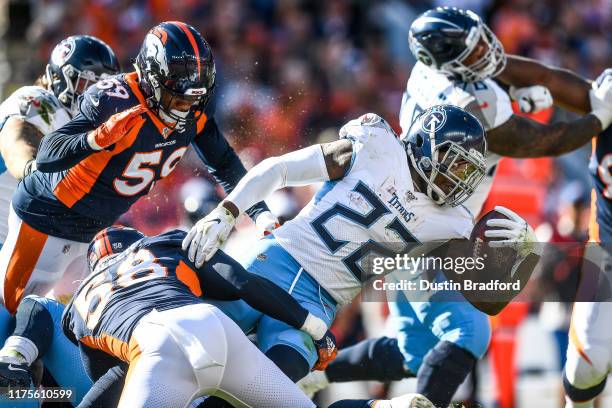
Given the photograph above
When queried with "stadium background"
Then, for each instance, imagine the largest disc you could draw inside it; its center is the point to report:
(291, 72)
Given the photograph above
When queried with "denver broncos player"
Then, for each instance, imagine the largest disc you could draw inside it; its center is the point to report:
(458, 56)
(38, 333)
(131, 130)
(141, 305)
(379, 190)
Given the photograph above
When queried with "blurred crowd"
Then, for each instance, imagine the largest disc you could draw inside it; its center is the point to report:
(291, 72)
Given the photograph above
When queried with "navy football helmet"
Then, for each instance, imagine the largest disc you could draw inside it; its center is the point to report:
(110, 241)
(76, 63)
(176, 62)
(444, 37)
(446, 147)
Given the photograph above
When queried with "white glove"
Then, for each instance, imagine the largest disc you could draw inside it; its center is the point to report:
(532, 98)
(208, 234)
(601, 98)
(266, 222)
(516, 233)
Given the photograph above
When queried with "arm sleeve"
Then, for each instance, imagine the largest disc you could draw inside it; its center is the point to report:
(67, 146)
(223, 278)
(222, 161)
(298, 168)
(64, 148)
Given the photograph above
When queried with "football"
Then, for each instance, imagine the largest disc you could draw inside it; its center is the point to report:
(497, 260)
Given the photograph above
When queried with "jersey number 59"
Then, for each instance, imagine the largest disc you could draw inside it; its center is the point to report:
(140, 171)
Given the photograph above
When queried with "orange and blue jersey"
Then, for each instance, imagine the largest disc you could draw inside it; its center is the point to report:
(155, 273)
(600, 229)
(78, 191)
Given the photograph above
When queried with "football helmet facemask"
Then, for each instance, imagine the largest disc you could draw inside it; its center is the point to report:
(446, 147)
(445, 38)
(76, 63)
(176, 70)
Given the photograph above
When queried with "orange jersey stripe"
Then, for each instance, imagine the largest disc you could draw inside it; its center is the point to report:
(130, 372)
(593, 224)
(80, 179)
(29, 246)
(188, 276)
(113, 346)
(192, 41)
(201, 122)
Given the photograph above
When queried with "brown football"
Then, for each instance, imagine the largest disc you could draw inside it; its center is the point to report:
(498, 258)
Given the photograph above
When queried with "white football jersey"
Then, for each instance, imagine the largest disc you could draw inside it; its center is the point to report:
(372, 207)
(427, 87)
(40, 108)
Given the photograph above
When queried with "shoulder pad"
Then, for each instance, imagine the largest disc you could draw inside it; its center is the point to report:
(36, 106)
(105, 98)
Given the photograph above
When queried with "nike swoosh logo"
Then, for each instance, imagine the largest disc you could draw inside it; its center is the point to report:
(10, 367)
(216, 219)
(484, 105)
(94, 102)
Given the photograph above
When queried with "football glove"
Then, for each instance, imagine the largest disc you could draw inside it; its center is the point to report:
(208, 234)
(532, 98)
(326, 349)
(266, 222)
(601, 98)
(515, 233)
(115, 128)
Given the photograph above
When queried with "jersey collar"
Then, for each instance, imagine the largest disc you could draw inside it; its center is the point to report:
(132, 80)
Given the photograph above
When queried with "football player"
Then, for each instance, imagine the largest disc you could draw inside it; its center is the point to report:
(130, 130)
(39, 333)
(33, 111)
(589, 355)
(378, 190)
(153, 275)
(457, 57)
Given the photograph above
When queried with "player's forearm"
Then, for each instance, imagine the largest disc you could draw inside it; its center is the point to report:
(67, 146)
(567, 88)
(18, 145)
(540, 140)
(302, 167)
(59, 151)
(225, 279)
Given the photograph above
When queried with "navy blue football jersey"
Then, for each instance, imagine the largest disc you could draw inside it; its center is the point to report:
(78, 191)
(601, 161)
(152, 274)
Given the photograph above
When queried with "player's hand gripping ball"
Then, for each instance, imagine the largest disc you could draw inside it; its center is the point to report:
(208, 234)
(326, 349)
(501, 236)
(115, 128)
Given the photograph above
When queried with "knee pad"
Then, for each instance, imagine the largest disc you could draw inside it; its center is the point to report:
(443, 370)
(290, 361)
(583, 394)
(584, 370)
